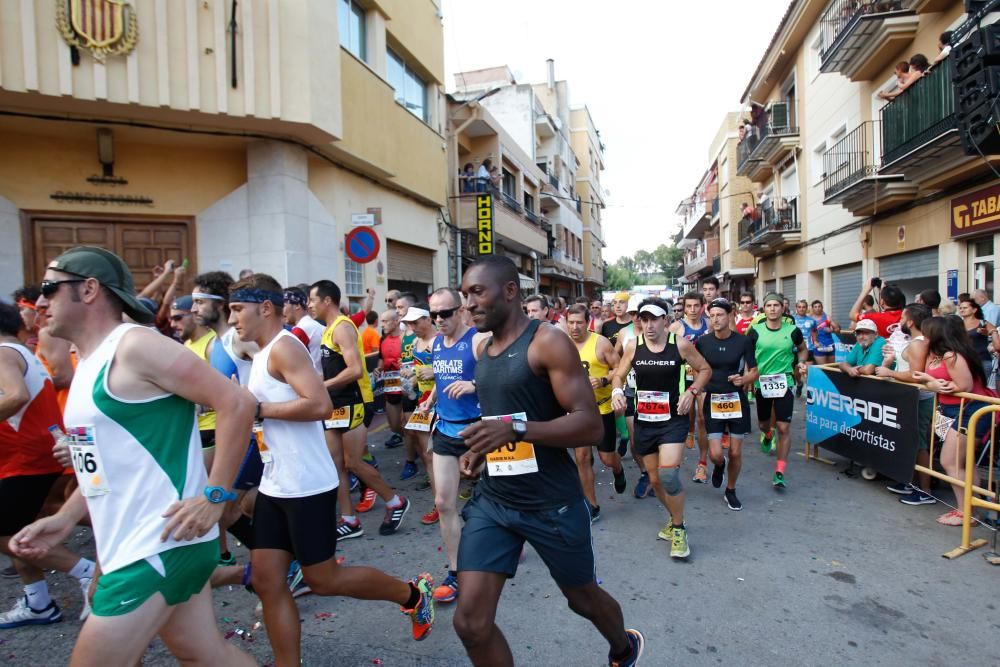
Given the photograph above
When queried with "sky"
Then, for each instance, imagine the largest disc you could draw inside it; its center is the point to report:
(658, 76)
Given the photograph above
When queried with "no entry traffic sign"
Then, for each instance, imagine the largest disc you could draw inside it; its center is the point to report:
(362, 244)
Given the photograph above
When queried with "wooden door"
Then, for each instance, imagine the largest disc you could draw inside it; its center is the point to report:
(53, 237)
(145, 245)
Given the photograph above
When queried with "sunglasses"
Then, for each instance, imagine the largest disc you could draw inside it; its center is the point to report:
(178, 318)
(443, 314)
(746, 303)
(50, 287)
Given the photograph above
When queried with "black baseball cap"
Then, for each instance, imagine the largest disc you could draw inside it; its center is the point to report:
(110, 271)
(725, 304)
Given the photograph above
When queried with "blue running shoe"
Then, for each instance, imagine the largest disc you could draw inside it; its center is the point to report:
(354, 481)
(409, 470)
(637, 643)
(642, 486)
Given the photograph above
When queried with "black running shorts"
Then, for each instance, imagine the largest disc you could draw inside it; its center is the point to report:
(305, 527)
(782, 407)
(22, 499)
(650, 435)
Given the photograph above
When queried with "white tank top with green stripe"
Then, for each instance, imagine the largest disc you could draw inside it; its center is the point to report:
(150, 455)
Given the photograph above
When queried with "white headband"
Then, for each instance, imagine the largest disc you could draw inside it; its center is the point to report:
(653, 309)
(203, 295)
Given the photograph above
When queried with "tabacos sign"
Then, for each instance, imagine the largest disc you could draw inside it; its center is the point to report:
(976, 212)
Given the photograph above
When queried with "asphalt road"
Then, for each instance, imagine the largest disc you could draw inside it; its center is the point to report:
(833, 571)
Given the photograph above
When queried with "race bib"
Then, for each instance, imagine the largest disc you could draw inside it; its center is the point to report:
(726, 406)
(514, 458)
(653, 406)
(392, 383)
(87, 462)
(773, 386)
(258, 435)
(688, 373)
(339, 418)
(420, 421)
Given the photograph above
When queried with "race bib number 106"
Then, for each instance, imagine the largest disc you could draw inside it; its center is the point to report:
(87, 461)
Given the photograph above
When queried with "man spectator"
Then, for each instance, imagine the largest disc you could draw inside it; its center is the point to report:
(944, 47)
(991, 313)
(932, 299)
(483, 175)
(867, 355)
(891, 301)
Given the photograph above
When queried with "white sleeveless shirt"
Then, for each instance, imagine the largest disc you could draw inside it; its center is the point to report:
(300, 463)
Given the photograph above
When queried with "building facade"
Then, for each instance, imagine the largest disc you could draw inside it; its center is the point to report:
(234, 141)
(849, 185)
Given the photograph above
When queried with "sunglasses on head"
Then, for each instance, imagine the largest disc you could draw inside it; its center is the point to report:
(50, 287)
(443, 314)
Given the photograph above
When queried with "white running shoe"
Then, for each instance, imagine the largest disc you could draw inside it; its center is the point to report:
(85, 589)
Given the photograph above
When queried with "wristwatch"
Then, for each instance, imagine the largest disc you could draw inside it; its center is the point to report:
(520, 427)
(694, 390)
(217, 494)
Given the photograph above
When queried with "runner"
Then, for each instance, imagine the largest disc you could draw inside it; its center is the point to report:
(455, 353)
(137, 453)
(296, 315)
(539, 405)
(778, 345)
(823, 353)
(346, 381)
(745, 314)
(663, 403)
(709, 289)
(807, 325)
(692, 327)
(642, 488)
(390, 351)
(405, 301)
(196, 337)
(599, 361)
(296, 509)
(734, 367)
(422, 372)
(31, 421)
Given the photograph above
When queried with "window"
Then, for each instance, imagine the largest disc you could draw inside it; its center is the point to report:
(816, 55)
(817, 167)
(351, 23)
(529, 202)
(411, 91)
(508, 183)
(354, 278)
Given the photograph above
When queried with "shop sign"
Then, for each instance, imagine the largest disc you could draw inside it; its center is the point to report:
(485, 242)
(976, 212)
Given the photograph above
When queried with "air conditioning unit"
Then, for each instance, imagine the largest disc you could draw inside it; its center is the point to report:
(778, 115)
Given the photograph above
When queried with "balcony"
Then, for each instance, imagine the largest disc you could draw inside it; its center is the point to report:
(851, 177)
(510, 202)
(561, 265)
(532, 217)
(863, 38)
(715, 207)
(774, 136)
(919, 125)
(513, 228)
(777, 228)
(699, 262)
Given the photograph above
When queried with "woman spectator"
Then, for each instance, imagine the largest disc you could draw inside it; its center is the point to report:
(981, 333)
(825, 328)
(468, 178)
(953, 365)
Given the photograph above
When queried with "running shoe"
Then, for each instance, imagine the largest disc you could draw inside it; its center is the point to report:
(247, 579)
(21, 614)
(85, 589)
(409, 470)
(901, 488)
(348, 531)
(296, 583)
(227, 559)
(466, 492)
(718, 472)
(424, 484)
(679, 543)
(9, 572)
(353, 479)
(422, 615)
(732, 501)
(642, 486)
(952, 518)
(622, 446)
(700, 473)
(917, 497)
(778, 481)
(689, 441)
(725, 441)
(393, 441)
(431, 517)
(798, 390)
(637, 643)
(394, 517)
(370, 459)
(664, 533)
(368, 497)
(766, 440)
(620, 482)
(595, 513)
(447, 591)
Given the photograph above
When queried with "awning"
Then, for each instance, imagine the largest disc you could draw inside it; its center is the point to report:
(527, 282)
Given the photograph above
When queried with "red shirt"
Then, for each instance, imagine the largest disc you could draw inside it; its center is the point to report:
(391, 349)
(884, 321)
(742, 324)
(25, 441)
(358, 318)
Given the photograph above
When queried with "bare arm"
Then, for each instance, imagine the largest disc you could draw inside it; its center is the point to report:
(290, 362)
(856, 308)
(698, 364)
(57, 356)
(154, 285)
(624, 365)
(14, 393)
(346, 338)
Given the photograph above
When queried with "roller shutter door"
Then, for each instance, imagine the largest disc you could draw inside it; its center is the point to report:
(770, 286)
(788, 289)
(907, 265)
(845, 283)
(409, 263)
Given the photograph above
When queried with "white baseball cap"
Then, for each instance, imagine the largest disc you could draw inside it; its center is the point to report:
(866, 325)
(413, 314)
(633, 303)
(653, 310)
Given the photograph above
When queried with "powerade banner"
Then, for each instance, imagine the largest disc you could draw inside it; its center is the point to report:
(873, 422)
(842, 344)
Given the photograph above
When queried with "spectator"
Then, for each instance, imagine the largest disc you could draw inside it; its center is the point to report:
(749, 211)
(866, 356)
(496, 178)
(991, 313)
(370, 340)
(947, 308)
(245, 273)
(467, 178)
(483, 175)
(25, 299)
(891, 302)
(742, 132)
(918, 67)
(596, 315)
(932, 299)
(981, 332)
(944, 47)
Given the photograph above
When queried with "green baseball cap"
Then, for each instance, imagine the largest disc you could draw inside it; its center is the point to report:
(110, 270)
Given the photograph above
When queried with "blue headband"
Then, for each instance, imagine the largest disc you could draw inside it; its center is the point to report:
(295, 297)
(256, 296)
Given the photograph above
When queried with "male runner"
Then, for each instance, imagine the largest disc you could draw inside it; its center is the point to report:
(296, 509)
(778, 346)
(346, 380)
(405, 301)
(599, 361)
(642, 488)
(691, 327)
(131, 422)
(537, 307)
(31, 421)
(390, 351)
(422, 373)
(745, 314)
(807, 325)
(610, 328)
(536, 404)
(710, 289)
(734, 367)
(455, 353)
(196, 337)
(662, 408)
(304, 327)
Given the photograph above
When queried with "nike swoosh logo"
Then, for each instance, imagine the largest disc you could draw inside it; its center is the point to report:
(512, 354)
(125, 602)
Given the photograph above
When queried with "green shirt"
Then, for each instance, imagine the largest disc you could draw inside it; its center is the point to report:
(873, 355)
(775, 349)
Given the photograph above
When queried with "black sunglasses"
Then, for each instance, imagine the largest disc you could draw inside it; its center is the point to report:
(50, 287)
(443, 314)
(746, 303)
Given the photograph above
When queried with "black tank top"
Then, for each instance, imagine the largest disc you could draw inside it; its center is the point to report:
(507, 385)
(659, 371)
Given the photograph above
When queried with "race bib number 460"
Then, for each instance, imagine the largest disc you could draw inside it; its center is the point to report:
(514, 458)
(87, 461)
(773, 386)
(726, 406)
(652, 406)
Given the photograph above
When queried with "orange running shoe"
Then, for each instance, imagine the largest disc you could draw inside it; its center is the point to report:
(431, 517)
(422, 615)
(367, 501)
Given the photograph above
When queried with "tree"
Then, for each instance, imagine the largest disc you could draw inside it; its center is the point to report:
(668, 260)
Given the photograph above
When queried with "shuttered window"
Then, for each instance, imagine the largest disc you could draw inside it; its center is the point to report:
(788, 289)
(410, 263)
(907, 265)
(845, 284)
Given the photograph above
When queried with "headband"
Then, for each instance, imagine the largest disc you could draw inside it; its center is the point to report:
(24, 303)
(250, 295)
(206, 295)
(653, 310)
(295, 298)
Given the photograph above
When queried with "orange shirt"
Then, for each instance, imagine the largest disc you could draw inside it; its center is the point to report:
(370, 340)
(25, 440)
